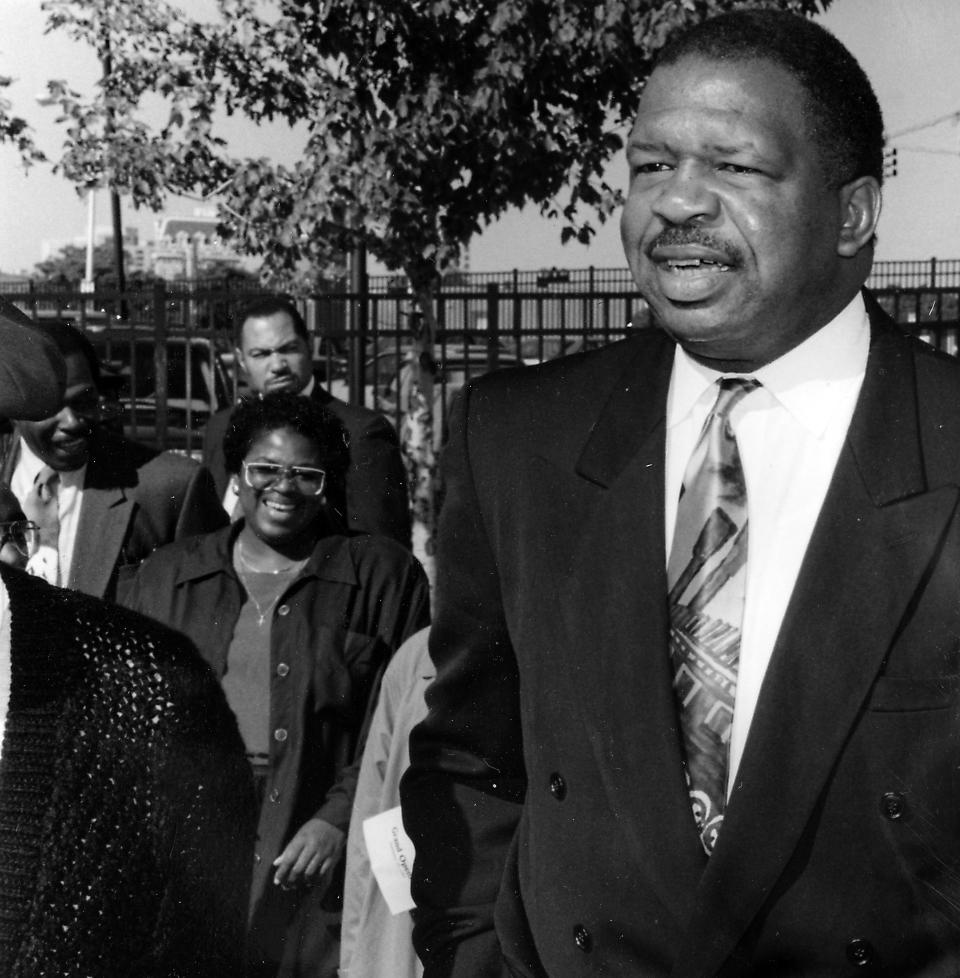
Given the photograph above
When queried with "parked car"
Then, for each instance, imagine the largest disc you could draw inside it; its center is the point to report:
(199, 383)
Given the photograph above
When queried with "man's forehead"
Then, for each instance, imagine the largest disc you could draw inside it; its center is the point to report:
(735, 97)
(269, 330)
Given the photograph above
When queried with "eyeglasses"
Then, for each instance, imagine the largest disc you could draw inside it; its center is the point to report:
(261, 475)
(23, 534)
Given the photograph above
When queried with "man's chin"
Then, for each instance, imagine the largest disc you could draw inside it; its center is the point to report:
(290, 385)
(68, 461)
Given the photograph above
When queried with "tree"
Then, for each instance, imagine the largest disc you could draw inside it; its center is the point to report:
(14, 129)
(421, 120)
(67, 266)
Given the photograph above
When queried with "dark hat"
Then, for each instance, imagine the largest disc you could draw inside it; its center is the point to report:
(32, 371)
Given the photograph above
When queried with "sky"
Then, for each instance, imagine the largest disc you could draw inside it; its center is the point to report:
(907, 47)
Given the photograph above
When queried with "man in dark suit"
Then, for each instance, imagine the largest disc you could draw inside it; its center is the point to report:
(557, 799)
(114, 501)
(274, 353)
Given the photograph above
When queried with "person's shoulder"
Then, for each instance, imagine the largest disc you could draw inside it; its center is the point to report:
(101, 638)
(410, 660)
(584, 371)
(170, 465)
(109, 449)
(354, 416)
(372, 553)
(201, 551)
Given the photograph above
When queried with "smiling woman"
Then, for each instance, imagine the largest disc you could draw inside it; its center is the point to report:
(298, 623)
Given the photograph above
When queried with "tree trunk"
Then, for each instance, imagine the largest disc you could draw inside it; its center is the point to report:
(419, 432)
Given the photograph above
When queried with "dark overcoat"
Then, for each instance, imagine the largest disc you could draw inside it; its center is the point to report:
(547, 800)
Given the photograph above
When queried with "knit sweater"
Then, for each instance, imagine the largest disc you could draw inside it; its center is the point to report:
(126, 809)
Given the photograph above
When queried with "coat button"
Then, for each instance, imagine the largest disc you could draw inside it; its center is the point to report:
(280, 734)
(283, 670)
(558, 787)
(275, 795)
(284, 609)
(892, 805)
(860, 952)
(582, 938)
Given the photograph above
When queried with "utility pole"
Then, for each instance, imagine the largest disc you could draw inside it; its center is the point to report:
(107, 63)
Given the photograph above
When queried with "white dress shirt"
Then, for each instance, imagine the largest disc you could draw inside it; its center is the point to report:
(69, 501)
(789, 432)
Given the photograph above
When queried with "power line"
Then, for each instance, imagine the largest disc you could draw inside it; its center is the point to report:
(930, 149)
(949, 117)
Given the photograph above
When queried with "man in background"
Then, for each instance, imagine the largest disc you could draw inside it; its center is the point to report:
(126, 807)
(696, 631)
(102, 502)
(274, 354)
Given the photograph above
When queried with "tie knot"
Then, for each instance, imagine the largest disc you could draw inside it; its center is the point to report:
(46, 480)
(732, 391)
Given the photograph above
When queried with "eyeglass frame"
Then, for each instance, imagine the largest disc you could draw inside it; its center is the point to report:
(6, 535)
(284, 472)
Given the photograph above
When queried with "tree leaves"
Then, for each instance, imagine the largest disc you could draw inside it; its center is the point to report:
(425, 119)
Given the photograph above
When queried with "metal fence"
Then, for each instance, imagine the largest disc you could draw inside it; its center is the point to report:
(168, 350)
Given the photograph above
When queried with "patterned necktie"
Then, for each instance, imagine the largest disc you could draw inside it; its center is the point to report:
(42, 505)
(706, 576)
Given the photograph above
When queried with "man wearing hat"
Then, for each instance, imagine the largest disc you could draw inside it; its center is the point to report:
(126, 810)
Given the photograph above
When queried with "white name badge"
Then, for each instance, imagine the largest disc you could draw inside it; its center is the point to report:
(391, 858)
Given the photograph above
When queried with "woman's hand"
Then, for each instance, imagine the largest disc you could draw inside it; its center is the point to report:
(310, 854)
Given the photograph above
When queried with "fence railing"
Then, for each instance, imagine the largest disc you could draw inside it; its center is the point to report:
(169, 351)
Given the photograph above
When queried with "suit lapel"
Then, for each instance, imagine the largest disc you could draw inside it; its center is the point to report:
(105, 516)
(628, 624)
(879, 524)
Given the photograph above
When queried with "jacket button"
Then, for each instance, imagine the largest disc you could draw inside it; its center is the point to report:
(893, 805)
(257, 858)
(283, 670)
(280, 734)
(558, 787)
(284, 609)
(275, 795)
(582, 938)
(860, 952)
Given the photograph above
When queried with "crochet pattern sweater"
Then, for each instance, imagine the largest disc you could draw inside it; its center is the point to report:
(126, 809)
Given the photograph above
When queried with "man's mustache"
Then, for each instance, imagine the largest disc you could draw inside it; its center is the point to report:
(691, 234)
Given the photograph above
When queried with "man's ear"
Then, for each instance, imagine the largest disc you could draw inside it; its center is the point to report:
(241, 362)
(861, 200)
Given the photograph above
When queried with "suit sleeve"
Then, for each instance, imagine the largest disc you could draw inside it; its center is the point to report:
(377, 500)
(463, 793)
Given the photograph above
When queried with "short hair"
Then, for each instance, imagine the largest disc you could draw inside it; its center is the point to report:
(256, 416)
(269, 306)
(842, 112)
(69, 339)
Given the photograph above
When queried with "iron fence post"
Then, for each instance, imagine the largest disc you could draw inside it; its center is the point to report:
(160, 362)
(493, 326)
(359, 286)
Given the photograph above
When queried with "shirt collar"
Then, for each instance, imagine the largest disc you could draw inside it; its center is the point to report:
(806, 380)
(212, 553)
